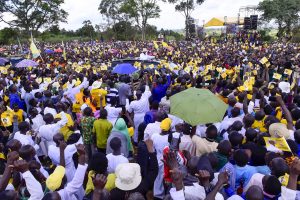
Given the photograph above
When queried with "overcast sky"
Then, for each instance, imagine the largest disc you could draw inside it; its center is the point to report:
(80, 10)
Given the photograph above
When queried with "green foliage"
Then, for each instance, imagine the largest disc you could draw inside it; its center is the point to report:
(87, 30)
(8, 35)
(31, 15)
(127, 11)
(285, 13)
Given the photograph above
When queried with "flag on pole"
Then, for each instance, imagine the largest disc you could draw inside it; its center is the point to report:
(165, 44)
(155, 44)
(64, 51)
(34, 50)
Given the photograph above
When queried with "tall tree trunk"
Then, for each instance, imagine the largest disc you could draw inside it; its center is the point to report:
(143, 32)
(187, 31)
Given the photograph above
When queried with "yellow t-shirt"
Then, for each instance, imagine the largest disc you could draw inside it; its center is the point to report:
(259, 125)
(19, 113)
(7, 118)
(65, 129)
(96, 95)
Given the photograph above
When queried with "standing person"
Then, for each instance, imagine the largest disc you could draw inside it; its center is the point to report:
(207, 144)
(112, 92)
(86, 124)
(115, 158)
(98, 92)
(27, 97)
(124, 91)
(138, 108)
(102, 128)
(159, 89)
(160, 141)
(14, 97)
(21, 114)
(120, 130)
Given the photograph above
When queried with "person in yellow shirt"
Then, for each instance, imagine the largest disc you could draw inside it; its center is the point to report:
(66, 130)
(19, 113)
(259, 122)
(96, 92)
(7, 118)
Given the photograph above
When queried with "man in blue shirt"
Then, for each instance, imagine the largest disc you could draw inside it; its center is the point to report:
(159, 89)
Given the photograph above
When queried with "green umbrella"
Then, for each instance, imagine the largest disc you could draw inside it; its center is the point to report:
(198, 106)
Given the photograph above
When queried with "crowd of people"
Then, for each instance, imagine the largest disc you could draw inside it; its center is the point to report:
(71, 129)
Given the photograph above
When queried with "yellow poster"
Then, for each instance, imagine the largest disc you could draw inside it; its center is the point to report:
(264, 60)
(277, 76)
(279, 143)
(288, 72)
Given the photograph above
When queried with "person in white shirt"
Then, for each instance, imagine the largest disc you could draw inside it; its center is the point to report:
(33, 186)
(154, 128)
(49, 108)
(24, 136)
(47, 131)
(160, 141)
(115, 158)
(53, 153)
(138, 108)
(55, 180)
(36, 119)
(113, 112)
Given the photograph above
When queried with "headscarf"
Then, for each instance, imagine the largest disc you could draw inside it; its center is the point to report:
(120, 126)
(166, 124)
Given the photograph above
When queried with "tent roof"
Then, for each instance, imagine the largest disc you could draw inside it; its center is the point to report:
(214, 22)
(219, 21)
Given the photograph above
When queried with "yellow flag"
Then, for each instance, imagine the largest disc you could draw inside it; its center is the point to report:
(279, 143)
(264, 60)
(288, 72)
(165, 44)
(155, 44)
(64, 51)
(34, 50)
(277, 76)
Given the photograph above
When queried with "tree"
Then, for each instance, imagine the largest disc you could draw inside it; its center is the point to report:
(87, 29)
(283, 12)
(31, 15)
(110, 9)
(141, 11)
(54, 29)
(186, 7)
(8, 35)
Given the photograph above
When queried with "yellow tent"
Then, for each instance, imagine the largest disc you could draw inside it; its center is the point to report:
(214, 22)
(219, 21)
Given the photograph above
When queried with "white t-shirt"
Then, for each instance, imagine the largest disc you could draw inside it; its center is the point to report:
(152, 128)
(114, 161)
(159, 143)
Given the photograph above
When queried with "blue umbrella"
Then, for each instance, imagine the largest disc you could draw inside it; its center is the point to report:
(124, 68)
(27, 63)
(3, 61)
(49, 51)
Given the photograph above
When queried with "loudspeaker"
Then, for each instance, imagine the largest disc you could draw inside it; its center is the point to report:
(254, 19)
(247, 23)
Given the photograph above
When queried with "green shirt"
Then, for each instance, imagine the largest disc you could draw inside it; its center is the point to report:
(86, 124)
(102, 129)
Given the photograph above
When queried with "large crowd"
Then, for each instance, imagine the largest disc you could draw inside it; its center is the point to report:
(72, 129)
